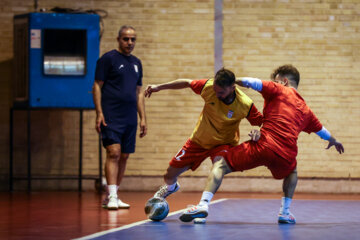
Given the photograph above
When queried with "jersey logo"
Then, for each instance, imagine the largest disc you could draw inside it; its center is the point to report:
(230, 114)
(121, 66)
(136, 68)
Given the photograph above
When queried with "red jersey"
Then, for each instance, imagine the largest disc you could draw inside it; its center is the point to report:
(285, 116)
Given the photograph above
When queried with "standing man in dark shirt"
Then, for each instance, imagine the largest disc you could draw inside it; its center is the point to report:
(118, 98)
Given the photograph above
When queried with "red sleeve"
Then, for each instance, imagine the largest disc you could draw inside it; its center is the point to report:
(255, 117)
(313, 123)
(198, 85)
(270, 89)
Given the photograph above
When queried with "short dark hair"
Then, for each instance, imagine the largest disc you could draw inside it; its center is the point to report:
(288, 71)
(124, 27)
(224, 78)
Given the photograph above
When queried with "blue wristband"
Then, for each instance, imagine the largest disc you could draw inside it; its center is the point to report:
(253, 83)
(324, 133)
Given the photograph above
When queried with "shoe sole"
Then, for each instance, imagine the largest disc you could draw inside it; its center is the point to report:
(199, 220)
(190, 217)
(105, 207)
(285, 221)
(121, 207)
(112, 208)
(124, 207)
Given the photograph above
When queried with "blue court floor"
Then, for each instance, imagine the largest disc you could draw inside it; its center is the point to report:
(252, 219)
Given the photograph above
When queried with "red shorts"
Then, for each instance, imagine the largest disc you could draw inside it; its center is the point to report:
(250, 154)
(192, 154)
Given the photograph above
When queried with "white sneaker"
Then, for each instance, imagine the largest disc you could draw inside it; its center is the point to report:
(113, 203)
(123, 205)
(163, 192)
(199, 211)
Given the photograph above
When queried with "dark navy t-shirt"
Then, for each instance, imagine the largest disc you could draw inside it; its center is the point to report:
(121, 75)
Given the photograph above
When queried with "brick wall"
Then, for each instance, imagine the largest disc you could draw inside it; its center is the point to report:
(321, 38)
(175, 40)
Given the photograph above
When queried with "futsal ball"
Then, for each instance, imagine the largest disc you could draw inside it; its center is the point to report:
(156, 209)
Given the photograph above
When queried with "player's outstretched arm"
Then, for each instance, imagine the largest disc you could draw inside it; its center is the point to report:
(176, 84)
(249, 82)
(325, 134)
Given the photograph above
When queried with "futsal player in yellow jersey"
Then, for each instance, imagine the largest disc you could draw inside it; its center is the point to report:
(219, 121)
(217, 128)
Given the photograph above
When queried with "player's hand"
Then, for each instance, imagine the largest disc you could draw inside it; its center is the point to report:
(150, 89)
(143, 129)
(99, 120)
(339, 147)
(254, 135)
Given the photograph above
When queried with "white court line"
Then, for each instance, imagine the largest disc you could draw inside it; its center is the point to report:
(99, 234)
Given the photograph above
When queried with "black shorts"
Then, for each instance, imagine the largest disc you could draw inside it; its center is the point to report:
(125, 136)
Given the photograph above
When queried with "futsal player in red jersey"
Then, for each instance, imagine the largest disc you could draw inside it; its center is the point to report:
(285, 115)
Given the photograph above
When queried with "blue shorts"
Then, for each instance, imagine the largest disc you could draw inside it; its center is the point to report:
(126, 137)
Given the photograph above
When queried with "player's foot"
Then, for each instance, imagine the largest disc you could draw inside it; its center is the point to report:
(199, 211)
(286, 218)
(112, 203)
(164, 192)
(121, 204)
(200, 220)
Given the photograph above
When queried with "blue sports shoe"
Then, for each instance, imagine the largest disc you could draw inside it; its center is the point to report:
(286, 218)
(199, 211)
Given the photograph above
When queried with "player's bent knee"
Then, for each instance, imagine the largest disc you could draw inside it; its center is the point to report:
(221, 166)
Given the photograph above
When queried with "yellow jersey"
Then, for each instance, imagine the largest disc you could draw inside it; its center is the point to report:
(218, 123)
